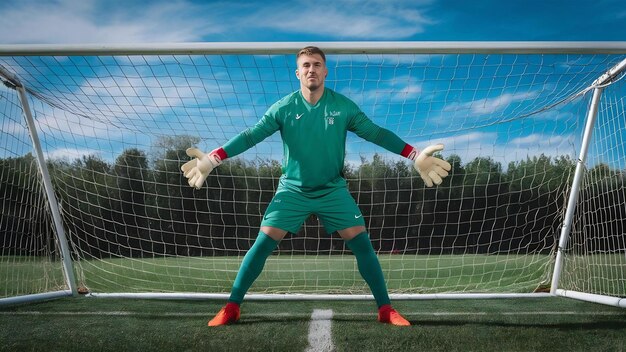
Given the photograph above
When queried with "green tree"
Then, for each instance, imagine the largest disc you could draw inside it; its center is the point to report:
(132, 174)
(24, 221)
(178, 207)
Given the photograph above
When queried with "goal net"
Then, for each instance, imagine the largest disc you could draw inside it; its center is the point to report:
(110, 128)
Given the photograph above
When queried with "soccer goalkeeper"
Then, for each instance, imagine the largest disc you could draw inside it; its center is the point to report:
(313, 123)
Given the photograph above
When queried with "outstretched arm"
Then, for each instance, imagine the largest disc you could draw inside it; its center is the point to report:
(199, 168)
(431, 169)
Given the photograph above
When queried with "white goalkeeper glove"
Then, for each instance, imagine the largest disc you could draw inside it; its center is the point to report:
(431, 169)
(199, 168)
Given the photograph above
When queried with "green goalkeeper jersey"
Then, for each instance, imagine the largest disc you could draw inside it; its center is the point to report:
(314, 139)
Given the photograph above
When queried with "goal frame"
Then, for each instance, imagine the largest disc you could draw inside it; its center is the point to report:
(547, 47)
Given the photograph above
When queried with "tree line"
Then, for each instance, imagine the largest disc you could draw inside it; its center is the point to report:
(140, 205)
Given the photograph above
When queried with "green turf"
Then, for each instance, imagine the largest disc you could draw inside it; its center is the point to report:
(26, 275)
(301, 274)
(92, 324)
(314, 274)
(79, 324)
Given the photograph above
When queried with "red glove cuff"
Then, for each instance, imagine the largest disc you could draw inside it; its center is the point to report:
(220, 153)
(409, 152)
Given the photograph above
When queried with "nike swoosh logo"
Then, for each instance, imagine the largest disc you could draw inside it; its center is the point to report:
(298, 116)
(358, 216)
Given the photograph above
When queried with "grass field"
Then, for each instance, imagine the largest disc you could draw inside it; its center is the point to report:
(96, 324)
(283, 274)
(287, 273)
(107, 324)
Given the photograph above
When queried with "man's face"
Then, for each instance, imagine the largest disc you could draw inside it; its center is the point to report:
(311, 71)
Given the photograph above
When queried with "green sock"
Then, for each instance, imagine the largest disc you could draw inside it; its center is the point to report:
(251, 266)
(369, 267)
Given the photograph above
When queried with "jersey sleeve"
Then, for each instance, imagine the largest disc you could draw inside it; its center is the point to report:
(365, 128)
(247, 139)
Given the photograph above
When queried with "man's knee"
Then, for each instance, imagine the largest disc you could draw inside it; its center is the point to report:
(274, 232)
(351, 232)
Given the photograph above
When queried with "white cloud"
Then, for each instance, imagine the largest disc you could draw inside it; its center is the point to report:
(537, 142)
(13, 129)
(101, 21)
(79, 21)
(495, 146)
(51, 121)
(348, 19)
(69, 154)
(490, 105)
(398, 89)
(554, 115)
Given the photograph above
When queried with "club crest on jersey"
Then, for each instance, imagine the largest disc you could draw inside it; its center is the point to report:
(330, 117)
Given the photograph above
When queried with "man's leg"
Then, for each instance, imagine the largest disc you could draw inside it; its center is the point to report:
(285, 213)
(359, 243)
(251, 266)
(369, 266)
(253, 263)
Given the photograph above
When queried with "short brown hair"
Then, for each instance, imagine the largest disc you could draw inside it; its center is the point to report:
(311, 50)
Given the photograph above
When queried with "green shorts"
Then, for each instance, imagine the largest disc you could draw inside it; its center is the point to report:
(337, 210)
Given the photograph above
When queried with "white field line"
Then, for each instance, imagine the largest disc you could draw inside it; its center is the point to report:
(320, 339)
(303, 316)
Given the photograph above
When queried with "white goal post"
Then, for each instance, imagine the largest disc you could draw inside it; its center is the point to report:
(92, 200)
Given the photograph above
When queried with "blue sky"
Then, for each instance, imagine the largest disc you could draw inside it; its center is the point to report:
(123, 21)
(441, 106)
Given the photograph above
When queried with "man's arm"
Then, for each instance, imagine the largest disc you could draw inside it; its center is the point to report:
(199, 168)
(371, 132)
(247, 139)
(431, 169)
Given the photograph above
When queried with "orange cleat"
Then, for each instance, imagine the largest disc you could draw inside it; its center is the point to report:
(388, 315)
(227, 315)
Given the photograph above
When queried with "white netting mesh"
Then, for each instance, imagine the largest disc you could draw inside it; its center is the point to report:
(114, 130)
